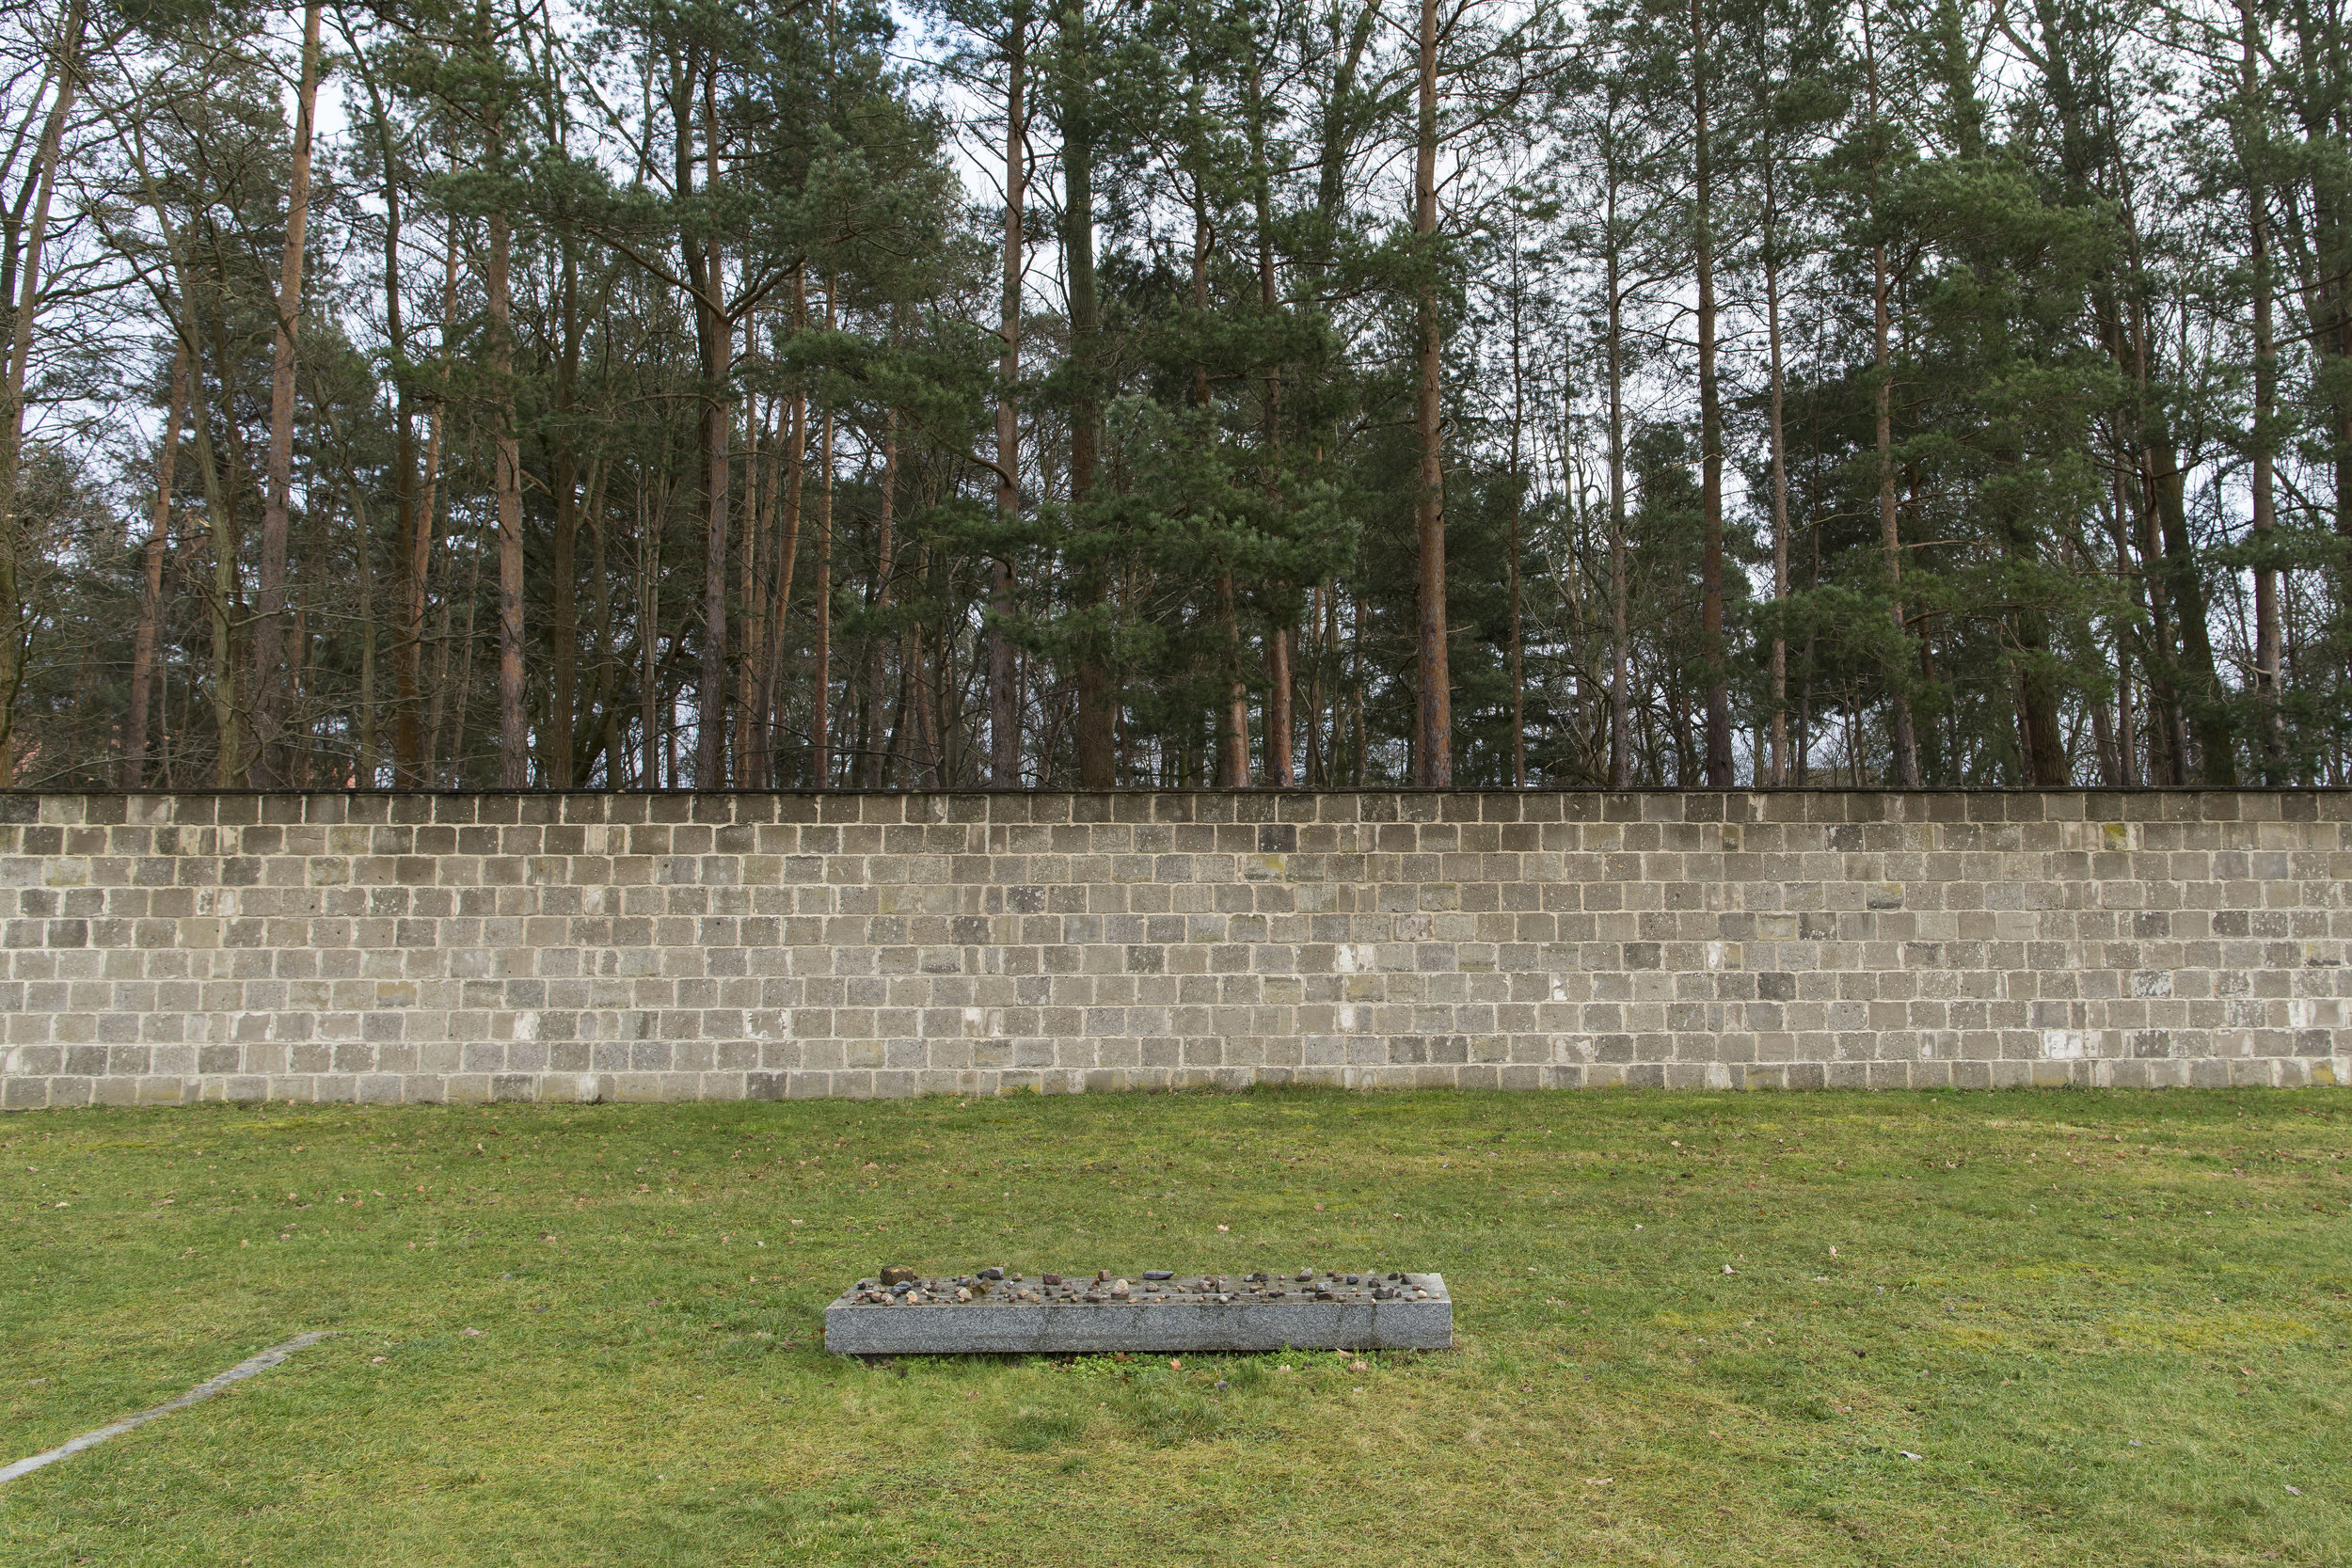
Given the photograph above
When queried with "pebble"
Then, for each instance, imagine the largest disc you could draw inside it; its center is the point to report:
(1152, 1285)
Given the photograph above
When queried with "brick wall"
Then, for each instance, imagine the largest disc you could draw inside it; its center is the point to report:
(167, 948)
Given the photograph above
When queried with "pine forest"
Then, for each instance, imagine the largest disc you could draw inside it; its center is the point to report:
(659, 394)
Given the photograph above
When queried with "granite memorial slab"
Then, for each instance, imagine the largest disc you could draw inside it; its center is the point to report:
(902, 1313)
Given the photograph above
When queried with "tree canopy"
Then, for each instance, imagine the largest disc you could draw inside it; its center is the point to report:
(663, 394)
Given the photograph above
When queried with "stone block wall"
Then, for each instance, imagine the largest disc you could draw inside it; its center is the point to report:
(386, 947)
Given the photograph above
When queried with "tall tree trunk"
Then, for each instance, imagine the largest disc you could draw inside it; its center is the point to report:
(928, 758)
(226, 531)
(513, 732)
(715, 337)
(1233, 730)
(2167, 760)
(408, 555)
(1324, 705)
(608, 697)
(15, 627)
(1279, 719)
(886, 562)
(2207, 713)
(1336, 128)
(150, 601)
(16, 630)
(222, 538)
(1098, 707)
(219, 521)
(1433, 732)
(821, 679)
(1230, 722)
(751, 558)
(1620, 690)
(1779, 774)
(1804, 689)
(2318, 228)
(1281, 716)
(648, 643)
(2191, 698)
(461, 694)
(2127, 745)
(558, 760)
(428, 512)
(1903, 740)
(270, 754)
(1003, 697)
(1519, 498)
(2267, 641)
(368, 766)
(1904, 744)
(788, 531)
(1719, 765)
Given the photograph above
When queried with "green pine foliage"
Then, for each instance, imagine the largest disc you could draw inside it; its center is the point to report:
(2093, 262)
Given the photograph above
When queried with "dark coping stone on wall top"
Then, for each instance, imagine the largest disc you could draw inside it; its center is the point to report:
(252, 809)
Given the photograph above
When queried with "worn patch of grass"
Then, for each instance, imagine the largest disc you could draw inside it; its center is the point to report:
(1692, 1330)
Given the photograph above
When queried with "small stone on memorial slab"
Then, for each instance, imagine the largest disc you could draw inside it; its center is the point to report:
(1052, 1279)
(992, 1273)
(896, 1274)
(1159, 1274)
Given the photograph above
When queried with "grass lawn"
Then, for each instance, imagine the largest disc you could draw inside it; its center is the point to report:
(1951, 1328)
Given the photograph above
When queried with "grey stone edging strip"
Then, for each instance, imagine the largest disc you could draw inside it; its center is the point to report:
(197, 1395)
